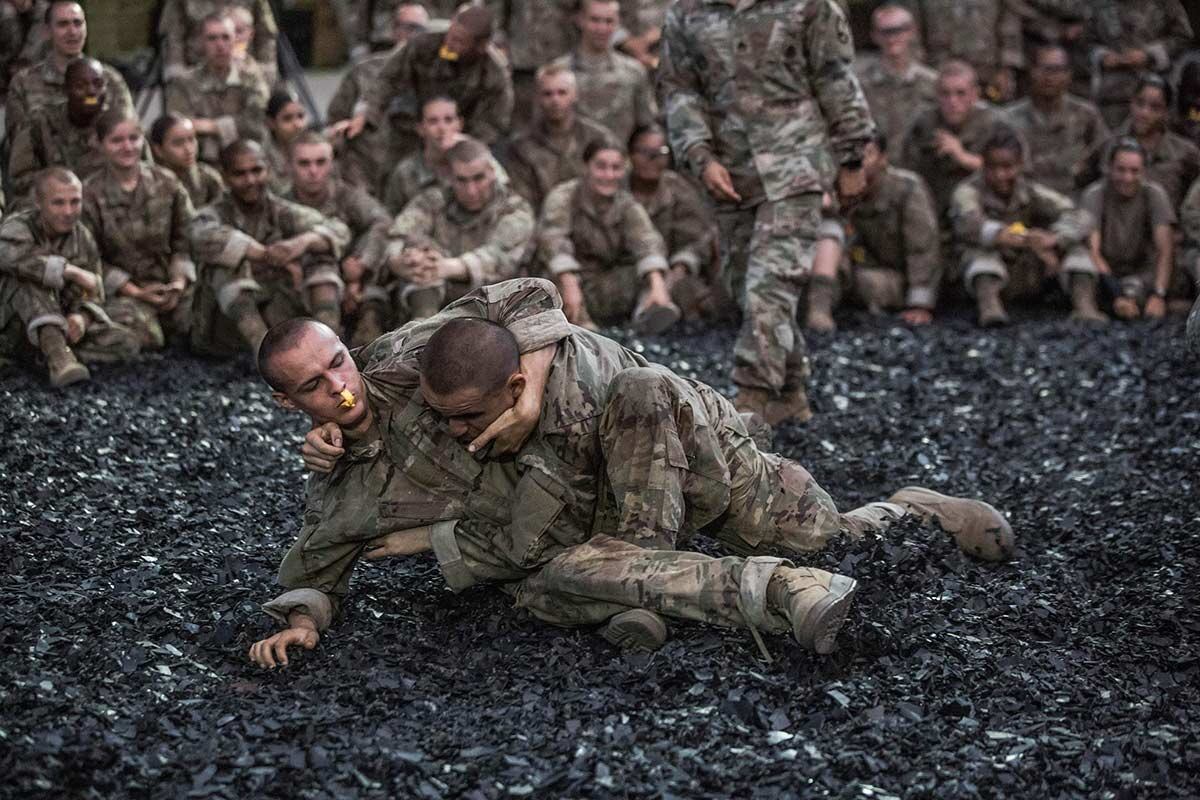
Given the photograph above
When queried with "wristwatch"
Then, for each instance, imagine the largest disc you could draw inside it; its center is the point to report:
(1160, 293)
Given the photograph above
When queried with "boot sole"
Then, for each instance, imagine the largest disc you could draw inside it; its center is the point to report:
(636, 631)
(655, 320)
(826, 618)
(77, 374)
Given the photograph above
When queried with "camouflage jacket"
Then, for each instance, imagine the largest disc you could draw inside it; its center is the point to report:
(767, 86)
(236, 102)
(482, 88)
(896, 227)
(23, 39)
(28, 254)
(179, 26)
(979, 215)
(537, 162)
(48, 139)
(491, 243)
(141, 235)
(684, 221)
(1059, 142)
(413, 175)
(203, 183)
(1159, 27)
(578, 232)
(43, 85)
(918, 150)
(366, 218)
(536, 31)
(1173, 163)
(984, 33)
(614, 91)
(350, 99)
(893, 98)
(221, 233)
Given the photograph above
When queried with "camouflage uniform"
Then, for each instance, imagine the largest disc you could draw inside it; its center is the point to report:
(684, 220)
(893, 98)
(1059, 142)
(492, 243)
(237, 102)
(23, 40)
(536, 32)
(984, 33)
(414, 175)
(979, 215)
(1173, 163)
(538, 161)
(1159, 27)
(360, 160)
(179, 25)
(482, 89)
(48, 139)
(142, 237)
(1189, 225)
(1127, 228)
(203, 183)
(220, 235)
(611, 245)
(33, 292)
(43, 85)
(366, 218)
(918, 151)
(768, 90)
(279, 165)
(892, 245)
(614, 91)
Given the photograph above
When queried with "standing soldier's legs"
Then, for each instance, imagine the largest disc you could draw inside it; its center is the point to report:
(770, 355)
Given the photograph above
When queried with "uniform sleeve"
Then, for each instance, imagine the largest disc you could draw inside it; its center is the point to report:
(1175, 36)
(182, 212)
(395, 79)
(93, 220)
(214, 242)
(342, 104)
(250, 123)
(522, 178)
(555, 248)
(414, 226)
(922, 242)
(1189, 225)
(119, 96)
(266, 33)
(645, 107)
(17, 257)
(491, 118)
(830, 50)
(501, 256)
(172, 27)
(371, 221)
(299, 219)
(1072, 225)
(25, 158)
(1161, 212)
(690, 240)
(682, 87)
(972, 226)
(644, 241)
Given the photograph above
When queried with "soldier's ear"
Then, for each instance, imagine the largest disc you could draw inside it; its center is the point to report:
(283, 401)
(516, 385)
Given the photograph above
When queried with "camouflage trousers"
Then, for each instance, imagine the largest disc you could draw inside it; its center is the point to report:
(26, 307)
(1022, 273)
(767, 255)
(870, 287)
(611, 295)
(151, 326)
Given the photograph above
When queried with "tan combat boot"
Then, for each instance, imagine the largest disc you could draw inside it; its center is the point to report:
(636, 631)
(652, 319)
(987, 300)
(369, 326)
(792, 404)
(245, 314)
(820, 304)
(1083, 299)
(978, 528)
(424, 303)
(814, 601)
(62, 366)
(752, 400)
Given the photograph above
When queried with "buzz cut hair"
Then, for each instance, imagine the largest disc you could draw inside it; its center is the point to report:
(470, 353)
(555, 70)
(467, 150)
(957, 68)
(308, 138)
(237, 148)
(56, 3)
(280, 339)
(59, 175)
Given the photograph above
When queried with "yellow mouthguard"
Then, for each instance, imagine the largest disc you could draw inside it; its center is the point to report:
(91, 101)
(348, 399)
(1018, 227)
(446, 54)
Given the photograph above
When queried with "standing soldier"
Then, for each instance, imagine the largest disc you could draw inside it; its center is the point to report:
(224, 102)
(22, 37)
(51, 289)
(984, 33)
(41, 85)
(261, 259)
(181, 27)
(895, 83)
(535, 33)
(613, 89)
(762, 103)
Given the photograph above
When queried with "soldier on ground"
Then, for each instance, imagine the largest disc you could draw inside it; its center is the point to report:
(894, 81)
(1015, 236)
(175, 147)
(51, 287)
(261, 259)
(139, 215)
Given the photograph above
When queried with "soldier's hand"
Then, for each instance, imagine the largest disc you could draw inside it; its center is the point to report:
(1156, 307)
(272, 651)
(86, 280)
(572, 297)
(719, 184)
(322, 448)
(916, 316)
(1011, 239)
(280, 253)
(77, 326)
(508, 432)
(399, 543)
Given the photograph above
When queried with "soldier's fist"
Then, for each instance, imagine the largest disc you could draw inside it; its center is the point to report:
(322, 447)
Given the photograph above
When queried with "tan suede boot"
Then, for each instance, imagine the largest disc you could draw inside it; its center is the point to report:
(245, 314)
(62, 366)
(978, 528)
(987, 300)
(369, 326)
(1083, 299)
(637, 631)
(791, 405)
(816, 602)
(821, 290)
(653, 319)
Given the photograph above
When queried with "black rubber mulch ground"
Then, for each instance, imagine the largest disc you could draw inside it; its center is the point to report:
(143, 517)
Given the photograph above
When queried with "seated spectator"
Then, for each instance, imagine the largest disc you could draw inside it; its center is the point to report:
(600, 246)
(225, 103)
(1134, 241)
(461, 64)
(450, 240)
(613, 88)
(681, 217)
(42, 85)
(51, 288)
(261, 259)
(286, 119)
(139, 216)
(181, 26)
(943, 142)
(984, 33)
(61, 134)
(314, 185)
(891, 256)
(173, 143)
(534, 33)
(1172, 161)
(894, 81)
(1187, 112)
(550, 151)
(1189, 225)
(23, 38)
(1126, 39)
(244, 31)
(1014, 234)
(1060, 129)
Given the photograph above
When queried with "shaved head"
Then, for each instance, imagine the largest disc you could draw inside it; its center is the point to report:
(470, 354)
(282, 339)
